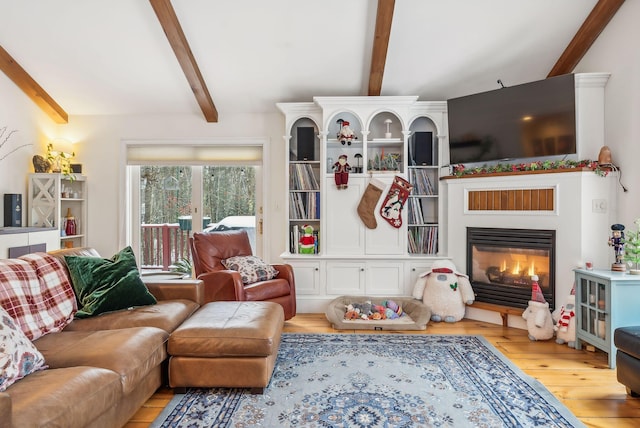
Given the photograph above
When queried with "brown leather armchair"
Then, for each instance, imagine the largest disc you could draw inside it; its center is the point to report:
(208, 249)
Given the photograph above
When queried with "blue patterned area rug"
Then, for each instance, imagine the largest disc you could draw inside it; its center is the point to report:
(379, 380)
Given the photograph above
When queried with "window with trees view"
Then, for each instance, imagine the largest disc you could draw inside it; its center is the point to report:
(166, 207)
(166, 193)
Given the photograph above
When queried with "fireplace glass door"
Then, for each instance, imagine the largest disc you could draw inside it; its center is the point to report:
(502, 262)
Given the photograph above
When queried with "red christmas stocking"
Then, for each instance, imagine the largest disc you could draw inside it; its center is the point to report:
(391, 208)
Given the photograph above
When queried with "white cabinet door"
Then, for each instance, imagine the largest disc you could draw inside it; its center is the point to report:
(415, 270)
(384, 278)
(307, 275)
(345, 278)
(344, 231)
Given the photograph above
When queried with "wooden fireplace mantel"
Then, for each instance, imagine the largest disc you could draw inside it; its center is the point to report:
(512, 173)
(515, 199)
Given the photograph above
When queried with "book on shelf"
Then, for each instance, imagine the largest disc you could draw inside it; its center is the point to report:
(423, 240)
(421, 181)
(414, 211)
(304, 205)
(301, 177)
(294, 238)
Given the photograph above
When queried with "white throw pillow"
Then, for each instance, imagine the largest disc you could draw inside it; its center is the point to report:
(18, 356)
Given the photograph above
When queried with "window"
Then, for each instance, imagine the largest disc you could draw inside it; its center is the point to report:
(169, 200)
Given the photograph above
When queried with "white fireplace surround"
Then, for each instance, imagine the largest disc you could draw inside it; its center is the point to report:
(582, 228)
(581, 234)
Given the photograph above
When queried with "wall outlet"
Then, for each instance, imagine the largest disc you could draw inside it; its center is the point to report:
(599, 206)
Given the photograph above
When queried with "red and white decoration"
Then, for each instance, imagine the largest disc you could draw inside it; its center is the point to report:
(391, 208)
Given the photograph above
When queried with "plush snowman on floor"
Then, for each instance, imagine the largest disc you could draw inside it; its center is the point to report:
(537, 314)
(445, 291)
(566, 323)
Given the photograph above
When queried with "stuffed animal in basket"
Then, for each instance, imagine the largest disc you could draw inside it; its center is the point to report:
(445, 291)
(566, 323)
(538, 315)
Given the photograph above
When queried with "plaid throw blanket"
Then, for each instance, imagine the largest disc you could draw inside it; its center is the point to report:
(36, 292)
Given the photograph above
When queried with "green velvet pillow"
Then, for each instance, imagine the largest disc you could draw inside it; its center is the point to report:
(104, 285)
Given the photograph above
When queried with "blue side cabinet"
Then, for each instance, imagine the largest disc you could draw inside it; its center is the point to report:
(605, 300)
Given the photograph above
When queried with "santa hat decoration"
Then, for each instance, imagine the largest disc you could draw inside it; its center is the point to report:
(536, 292)
(573, 290)
(443, 266)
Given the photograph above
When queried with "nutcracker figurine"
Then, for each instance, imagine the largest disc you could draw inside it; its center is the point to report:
(617, 242)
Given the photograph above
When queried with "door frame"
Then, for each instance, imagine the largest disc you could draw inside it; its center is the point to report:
(129, 205)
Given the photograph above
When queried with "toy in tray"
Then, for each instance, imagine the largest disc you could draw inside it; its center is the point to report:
(387, 309)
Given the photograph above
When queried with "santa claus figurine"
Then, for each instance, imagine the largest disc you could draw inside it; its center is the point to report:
(341, 172)
(346, 134)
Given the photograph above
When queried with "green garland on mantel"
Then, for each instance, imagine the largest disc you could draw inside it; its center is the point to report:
(460, 170)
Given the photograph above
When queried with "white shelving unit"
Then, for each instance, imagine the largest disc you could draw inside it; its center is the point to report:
(350, 258)
(51, 196)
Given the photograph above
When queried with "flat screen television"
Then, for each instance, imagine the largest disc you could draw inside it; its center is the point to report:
(532, 120)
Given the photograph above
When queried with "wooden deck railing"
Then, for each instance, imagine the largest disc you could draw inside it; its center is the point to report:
(162, 245)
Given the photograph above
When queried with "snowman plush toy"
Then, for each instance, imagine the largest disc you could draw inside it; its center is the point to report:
(445, 291)
(566, 323)
(538, 316)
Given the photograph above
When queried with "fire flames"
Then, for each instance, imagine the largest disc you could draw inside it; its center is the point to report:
(517, 270)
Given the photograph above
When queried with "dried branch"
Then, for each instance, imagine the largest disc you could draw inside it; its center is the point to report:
(14, 150)
(2, 131)
(5, 138)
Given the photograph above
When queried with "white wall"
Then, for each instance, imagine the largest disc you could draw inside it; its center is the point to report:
(99, 138)
(616, 51)
(99, 151)
(18, 112)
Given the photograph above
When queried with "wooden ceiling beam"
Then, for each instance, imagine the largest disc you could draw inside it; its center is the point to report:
(24, 81)
(591, 28)
(384, 17)
(172, 29)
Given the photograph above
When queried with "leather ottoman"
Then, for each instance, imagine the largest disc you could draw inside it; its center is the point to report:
(627, 340)
(226, 344)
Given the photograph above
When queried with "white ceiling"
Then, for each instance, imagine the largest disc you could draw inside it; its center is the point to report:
(101, 57)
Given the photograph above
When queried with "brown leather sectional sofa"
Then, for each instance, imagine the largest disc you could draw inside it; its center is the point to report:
(101, 370)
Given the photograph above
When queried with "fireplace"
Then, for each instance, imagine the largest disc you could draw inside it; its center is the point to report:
(500, 263)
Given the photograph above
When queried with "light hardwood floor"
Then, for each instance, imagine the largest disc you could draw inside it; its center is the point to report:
(579, 379)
